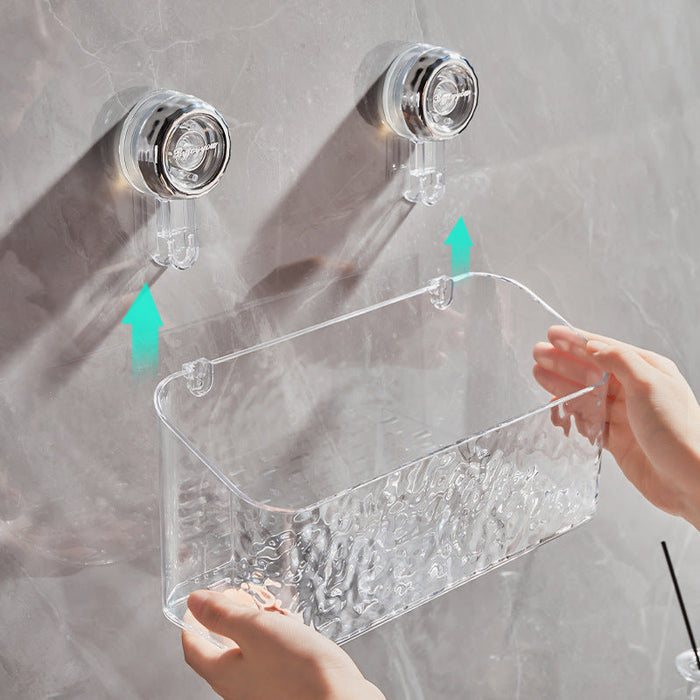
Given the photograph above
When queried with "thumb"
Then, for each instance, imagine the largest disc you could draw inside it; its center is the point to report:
(631, 370)
(218, 613)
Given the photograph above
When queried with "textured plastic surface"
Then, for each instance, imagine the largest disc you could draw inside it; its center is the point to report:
(355, 487)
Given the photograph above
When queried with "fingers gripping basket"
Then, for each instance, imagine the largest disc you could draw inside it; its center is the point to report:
(358, 468)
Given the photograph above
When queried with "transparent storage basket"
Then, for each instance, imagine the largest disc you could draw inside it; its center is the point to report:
(360, 467)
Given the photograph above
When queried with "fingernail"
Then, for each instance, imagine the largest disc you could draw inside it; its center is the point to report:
(197, 600)
(595, 346)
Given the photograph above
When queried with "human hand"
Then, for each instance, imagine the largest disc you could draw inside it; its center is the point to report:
(653, 418)
(273, 654)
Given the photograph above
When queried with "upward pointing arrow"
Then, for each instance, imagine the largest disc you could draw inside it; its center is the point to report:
(144, 319)
(461, 247)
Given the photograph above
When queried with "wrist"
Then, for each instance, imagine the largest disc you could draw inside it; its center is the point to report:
(690, 508)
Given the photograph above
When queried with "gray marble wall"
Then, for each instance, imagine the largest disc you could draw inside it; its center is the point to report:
(579, 177)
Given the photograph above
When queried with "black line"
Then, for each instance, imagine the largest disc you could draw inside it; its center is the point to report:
(681, 603)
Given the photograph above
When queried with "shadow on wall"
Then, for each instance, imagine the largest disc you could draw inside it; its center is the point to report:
(76, 256)
(324, 235)
(344, 208)
(75, 490)
(79, 255)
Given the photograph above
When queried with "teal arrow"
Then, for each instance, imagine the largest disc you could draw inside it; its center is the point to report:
(461, 245)
(144, 319)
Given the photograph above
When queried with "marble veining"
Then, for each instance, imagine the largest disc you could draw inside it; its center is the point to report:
(578, 177)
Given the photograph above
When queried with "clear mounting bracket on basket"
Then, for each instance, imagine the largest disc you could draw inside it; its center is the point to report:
(174, 148)
(429, 95)
(441, 290)
(199, 375)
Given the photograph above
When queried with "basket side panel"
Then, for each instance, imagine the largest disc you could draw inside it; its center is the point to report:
(376, 551)
(195, 525)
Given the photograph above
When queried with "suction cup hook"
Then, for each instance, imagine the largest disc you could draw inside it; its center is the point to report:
(175, 148)
(429, 95)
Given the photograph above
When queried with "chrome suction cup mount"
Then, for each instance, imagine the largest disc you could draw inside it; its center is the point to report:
(429, 95)
(174, 147)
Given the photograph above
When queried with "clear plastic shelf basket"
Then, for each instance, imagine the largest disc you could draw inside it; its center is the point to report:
(360, 467)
